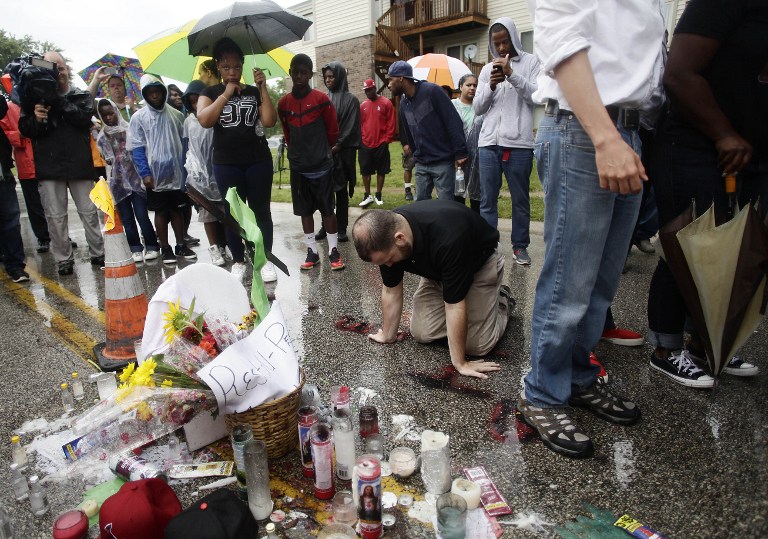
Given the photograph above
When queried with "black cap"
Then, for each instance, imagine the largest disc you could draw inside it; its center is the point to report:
(220, 514)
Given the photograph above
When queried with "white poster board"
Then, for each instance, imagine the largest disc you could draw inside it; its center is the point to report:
(260, 368)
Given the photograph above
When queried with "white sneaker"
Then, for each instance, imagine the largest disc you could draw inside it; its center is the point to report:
(268, 273)
(225, 255)
(151, 255)
(379, 201)
(216, 258)
(367, 200)
(138, 257)
(238, 270)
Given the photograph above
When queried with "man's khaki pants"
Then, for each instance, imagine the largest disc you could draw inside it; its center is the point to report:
(487, 309)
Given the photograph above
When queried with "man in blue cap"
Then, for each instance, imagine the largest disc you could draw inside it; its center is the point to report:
(432, 130)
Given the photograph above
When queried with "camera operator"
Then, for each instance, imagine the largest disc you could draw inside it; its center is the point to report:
(59, 127)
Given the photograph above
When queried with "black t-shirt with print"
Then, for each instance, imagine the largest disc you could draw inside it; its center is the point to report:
(235, 141)
(741, 27)
(450, 243)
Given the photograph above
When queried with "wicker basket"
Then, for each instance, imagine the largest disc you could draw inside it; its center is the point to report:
(275, 423)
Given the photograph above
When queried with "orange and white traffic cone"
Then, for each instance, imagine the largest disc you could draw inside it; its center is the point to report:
(125, 302)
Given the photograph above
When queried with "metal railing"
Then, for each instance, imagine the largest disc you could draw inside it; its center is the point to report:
(419, 13)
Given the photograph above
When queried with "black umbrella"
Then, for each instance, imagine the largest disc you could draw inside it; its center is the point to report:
(256, 27)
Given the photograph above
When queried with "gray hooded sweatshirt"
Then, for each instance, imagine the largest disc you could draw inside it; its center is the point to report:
(508, 111)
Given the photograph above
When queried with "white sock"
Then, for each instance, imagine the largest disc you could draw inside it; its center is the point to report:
(309, 239)
(407, 185)
(333, 241)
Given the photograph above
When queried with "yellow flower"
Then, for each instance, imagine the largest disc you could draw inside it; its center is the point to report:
(123, 392)
(143, 411)
(127, 372)
(167, 383)
(143, 375)
(175, 320)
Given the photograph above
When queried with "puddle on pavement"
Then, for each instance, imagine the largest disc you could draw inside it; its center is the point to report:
(505, 419)
(362, 327)
(449, 379)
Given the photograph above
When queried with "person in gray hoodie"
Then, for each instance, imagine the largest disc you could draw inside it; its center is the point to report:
(345, 150)
(505, 145)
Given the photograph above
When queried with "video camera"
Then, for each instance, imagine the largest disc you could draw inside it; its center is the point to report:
(35, 81)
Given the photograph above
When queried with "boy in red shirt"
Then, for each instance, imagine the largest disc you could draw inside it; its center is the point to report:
(377, 116)
(310, 128)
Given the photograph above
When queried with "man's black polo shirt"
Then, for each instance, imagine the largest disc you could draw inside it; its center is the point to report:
(450, 243)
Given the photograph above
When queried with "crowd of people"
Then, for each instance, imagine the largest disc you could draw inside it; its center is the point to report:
(612, 92)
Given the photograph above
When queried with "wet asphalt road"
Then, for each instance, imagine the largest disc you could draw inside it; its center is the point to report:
(695, 466)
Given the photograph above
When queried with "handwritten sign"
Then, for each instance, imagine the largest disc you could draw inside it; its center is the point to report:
(257, 369)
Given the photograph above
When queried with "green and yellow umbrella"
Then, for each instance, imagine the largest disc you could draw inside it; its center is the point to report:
(167, 54)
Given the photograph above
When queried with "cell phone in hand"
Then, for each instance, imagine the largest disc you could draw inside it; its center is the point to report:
(111, 71)
(498, 69)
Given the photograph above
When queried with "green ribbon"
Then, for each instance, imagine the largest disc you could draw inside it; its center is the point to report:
(247, 221)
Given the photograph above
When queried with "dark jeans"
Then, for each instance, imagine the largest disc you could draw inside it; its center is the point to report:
(683, 174)
(35, 210)
(136, 205)
(10, 230)
(253, 182)
(342, 209)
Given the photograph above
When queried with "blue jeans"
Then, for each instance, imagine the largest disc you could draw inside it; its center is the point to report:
(586, 233)
(10, 229)
(253, 182)
(136, 205)
(441, 176)
(517, 168)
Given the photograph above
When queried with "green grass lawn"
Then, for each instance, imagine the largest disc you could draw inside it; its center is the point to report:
(394, 194)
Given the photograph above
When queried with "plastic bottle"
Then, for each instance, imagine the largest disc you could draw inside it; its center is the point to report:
(77, 387)
(66, 398)
(174, 449)
(6, 525)
(20, 485)
(344, 443)
(461, 186)
(38, 499)
(271, 531)
(132, 467)
(18, 453)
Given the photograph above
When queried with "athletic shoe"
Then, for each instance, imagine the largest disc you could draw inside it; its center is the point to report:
(336, 262)
(168, 256)
(313, 259)
(506, 293)
(599, 400)
(680, 367)
(408, 194)
(216, 258)
(43, 246)
(138, 257)
(521, 256)
(343, 238)
(603, 374)
(378, 199)
(185, 252)
(19, 275)
(645, 246)
(151, 255)
(622, 337)
(97, 261)
(268, 273)
(558, 432)
(66, 268)
(224, 254)
(321, 234)
(238, 271)
(367, 200)
(189, 240)
(736, 366)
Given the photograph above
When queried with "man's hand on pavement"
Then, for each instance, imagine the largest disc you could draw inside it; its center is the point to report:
(477, 368)
(381, 338)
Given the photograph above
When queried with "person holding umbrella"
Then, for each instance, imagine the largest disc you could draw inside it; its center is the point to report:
(117, 92)
(717, 125)
(238, 114)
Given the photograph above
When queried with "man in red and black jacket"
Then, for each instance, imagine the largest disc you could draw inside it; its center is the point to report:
(311, 129)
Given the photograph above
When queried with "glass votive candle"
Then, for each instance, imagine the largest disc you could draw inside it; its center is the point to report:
(337, 531)
(402, 460)
(138, 350)
(369, 421)
(106, 384)
(344, 508)
(71, 525)
(451, 516)
(374, 445)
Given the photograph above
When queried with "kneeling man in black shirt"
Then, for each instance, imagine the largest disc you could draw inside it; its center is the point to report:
(460, 294)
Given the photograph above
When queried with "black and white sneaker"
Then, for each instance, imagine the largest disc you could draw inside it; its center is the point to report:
(599, 400)
(736, 366)
(19, 275)
(680, 367)
(168, 256)
(185, 252)
(556, 430)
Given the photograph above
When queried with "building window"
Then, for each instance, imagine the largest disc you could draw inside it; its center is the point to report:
(454, 51)
(527, 40)
(310, 33)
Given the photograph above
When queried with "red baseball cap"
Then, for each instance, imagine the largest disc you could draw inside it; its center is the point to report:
(139, 510)
(369, 84)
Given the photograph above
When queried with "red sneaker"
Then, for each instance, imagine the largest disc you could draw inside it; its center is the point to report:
(602, 376)
(313, 259)
(336, 262)
(622, 337)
